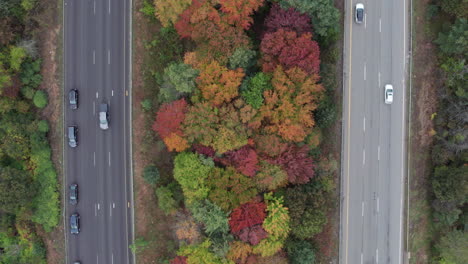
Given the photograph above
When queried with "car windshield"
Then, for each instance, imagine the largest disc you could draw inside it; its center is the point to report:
(102, 118)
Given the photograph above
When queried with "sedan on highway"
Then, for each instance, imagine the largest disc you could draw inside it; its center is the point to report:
(388, 94)
(74, 194)
(72, 136)
(104, 116)
(359, 13)
(73, 99)
(75, 224)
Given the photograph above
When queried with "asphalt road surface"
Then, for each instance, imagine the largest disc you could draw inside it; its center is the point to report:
(96, 59)
(374, 133)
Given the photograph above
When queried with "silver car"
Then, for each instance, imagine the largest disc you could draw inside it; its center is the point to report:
(104, 116)
(359, 13)
(388, 94)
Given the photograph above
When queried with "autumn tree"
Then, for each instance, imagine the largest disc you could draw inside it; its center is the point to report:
(238, 12)
(228, 188)
(239, 251)
(169, 118)
(247, 215)
(287, 19)
(288, 107)
(179, 260)
(270, 176)
(325, 16)
(244, 160)
(199, 254)
(270, 145)
(168, 11)
(297, 164)
(218, 84)
(276, 224)
(186, 229)
(191, 174)
(175, 142)
(288, 49)
(201, 123)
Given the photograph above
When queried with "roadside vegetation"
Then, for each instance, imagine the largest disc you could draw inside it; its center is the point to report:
(444, 217)
(240, 103)
(29, 197)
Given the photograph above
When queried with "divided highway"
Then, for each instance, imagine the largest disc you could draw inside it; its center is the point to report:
(96, 63)
(374, 133)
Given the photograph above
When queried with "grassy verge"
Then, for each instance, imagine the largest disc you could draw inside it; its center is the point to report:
(424, 83)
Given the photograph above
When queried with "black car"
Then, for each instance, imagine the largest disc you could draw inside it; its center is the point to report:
(73, 98)
(75, 223)
(72, 136)
(74, 193)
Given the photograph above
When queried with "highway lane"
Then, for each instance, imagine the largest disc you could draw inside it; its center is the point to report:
(373, 134)
(96, 58)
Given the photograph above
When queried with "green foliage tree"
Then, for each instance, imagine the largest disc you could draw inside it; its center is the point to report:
(28, 92)
(151, 174)
(191, 174)
(455, 40)
(229, 189)
(325, 16)
(211, 216)
(200, 254)
(40, 99)
(456, 76)
(146, 104)
(30, 73)
(178, 80)
(243, 58)
(17, 56)
(252, 89)
(16, 189)
(5, 77)
(166, 200)
(454, 7)
(300, 252)
(452, 247)
(270, 176)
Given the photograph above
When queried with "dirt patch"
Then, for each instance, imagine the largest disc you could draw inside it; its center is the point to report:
(150, 222)
(425, 80)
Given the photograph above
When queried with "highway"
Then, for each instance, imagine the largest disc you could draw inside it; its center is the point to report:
(374, 133)
(96, 63)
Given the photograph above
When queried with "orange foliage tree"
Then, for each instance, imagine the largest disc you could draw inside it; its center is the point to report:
(218, 84)
(238, 12)
(288, 106)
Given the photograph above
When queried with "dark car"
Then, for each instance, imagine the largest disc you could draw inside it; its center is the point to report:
(74, 193)
(104, 116)
(72, 136)
(75, 224)
(359, 15)
(73, 98)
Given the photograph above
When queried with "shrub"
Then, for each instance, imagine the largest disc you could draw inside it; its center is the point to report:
(146, 104)
(43, 126)
(40, 99)
(166, 200)
(151, 174)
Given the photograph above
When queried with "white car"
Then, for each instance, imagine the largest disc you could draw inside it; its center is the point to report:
(388, 94)
(359, 13)
(104, 116)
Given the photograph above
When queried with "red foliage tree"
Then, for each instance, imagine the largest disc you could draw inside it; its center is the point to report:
(290, 50)
(179, 260)
(170, 117)
(244, 160)
(238, 12)
(297, 164)
(253, 234)
(247, 215)
(288, 20)
(204, 150)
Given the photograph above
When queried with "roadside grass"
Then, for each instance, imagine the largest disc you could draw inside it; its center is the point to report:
(425, 79)
(153, 49)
